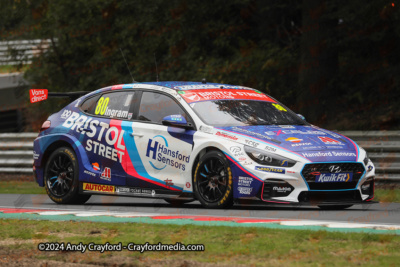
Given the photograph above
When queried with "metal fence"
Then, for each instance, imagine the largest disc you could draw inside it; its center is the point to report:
(22, 51)
(383, 147)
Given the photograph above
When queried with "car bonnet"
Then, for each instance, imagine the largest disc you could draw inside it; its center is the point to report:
(310, 142)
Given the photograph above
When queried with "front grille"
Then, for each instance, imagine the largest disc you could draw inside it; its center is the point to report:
(326, 197)
(310, 170)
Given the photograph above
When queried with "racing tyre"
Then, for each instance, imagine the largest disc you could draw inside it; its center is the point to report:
(61, 177)
(213, 181)
(336, 207)
(177, 202)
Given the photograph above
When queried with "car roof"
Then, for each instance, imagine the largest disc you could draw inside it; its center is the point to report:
(173, 85)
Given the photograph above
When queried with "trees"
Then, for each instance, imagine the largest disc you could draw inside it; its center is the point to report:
(327, 60)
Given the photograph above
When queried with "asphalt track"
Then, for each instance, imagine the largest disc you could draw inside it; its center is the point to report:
(378, 213)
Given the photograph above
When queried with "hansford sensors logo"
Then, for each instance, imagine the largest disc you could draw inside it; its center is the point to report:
(162, 156)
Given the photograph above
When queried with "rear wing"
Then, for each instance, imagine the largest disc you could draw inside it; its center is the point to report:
(37, 95)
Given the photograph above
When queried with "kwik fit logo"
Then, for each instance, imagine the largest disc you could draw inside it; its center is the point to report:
(161, 156)
(334, 177)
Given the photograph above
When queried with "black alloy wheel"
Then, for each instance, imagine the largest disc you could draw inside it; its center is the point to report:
(62, 177)
(213, 181)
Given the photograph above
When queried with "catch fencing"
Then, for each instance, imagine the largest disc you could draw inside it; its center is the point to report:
(18, 52)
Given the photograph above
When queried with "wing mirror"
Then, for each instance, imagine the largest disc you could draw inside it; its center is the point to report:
(301, 116)
(176, 121)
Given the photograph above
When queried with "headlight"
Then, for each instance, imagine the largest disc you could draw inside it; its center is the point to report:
(269, 159)
(366, 159)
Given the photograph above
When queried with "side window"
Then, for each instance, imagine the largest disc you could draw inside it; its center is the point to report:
(115, 105)
(90, 104)
(154, 107)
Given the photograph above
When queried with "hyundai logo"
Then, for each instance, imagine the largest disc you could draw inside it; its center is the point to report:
(335, 169)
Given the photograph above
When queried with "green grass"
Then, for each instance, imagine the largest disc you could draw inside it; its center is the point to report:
(20, 187)
(224, 245)
(12, 68)
(387, 195)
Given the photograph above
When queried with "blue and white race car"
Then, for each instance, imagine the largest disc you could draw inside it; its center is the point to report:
(182, 141)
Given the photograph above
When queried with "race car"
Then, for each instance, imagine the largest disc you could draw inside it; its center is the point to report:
(216, 143)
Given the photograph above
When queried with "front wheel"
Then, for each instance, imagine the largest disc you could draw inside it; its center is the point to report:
(212, 181)
(61, 177)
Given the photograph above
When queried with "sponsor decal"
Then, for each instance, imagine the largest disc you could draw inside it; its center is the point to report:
(370, 168)
(106, 174)
(334, 147)
(271, 149)
(329, 141)
(284, 163)
(251, 143)
(98, 188)
(130, 116)
(217, 94)
(228, 136)
(122, 189)
(245, 190)
(301, 144)
(89, 173)
(294, 139)
(258, 135)
(205, 129)
(245, 181)
(37, 95)
(77, 102)
(209, 86)
(279, 107)
(161, 156)
(168, 183)
(177, 118)
(35, 155)
(270, 169)
(141, 191)
(290, 172)
(66, 113)
(111, 135)
(242, 159)
(309, 132)
(188, 185)
(334, 177)
(365, 187)
(236, 150)
(328, 154)
(281, 189)
(286, 126)
(96, 166)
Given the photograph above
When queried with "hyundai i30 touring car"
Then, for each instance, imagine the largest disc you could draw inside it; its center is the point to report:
(182, 141)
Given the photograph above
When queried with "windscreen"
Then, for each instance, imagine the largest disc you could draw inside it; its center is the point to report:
(244, 113)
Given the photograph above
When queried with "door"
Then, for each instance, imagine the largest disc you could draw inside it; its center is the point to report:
(160, 155)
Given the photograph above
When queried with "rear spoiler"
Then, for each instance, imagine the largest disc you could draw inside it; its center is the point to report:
(37, 95)
(72, 95)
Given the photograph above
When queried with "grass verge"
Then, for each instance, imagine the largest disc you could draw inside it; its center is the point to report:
(223, 245)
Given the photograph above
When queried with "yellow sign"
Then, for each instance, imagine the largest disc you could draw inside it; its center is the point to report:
(99, 188)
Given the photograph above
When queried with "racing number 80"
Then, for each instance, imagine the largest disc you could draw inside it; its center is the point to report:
(102, 105)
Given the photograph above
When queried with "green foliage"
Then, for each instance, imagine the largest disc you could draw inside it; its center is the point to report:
(254, 43)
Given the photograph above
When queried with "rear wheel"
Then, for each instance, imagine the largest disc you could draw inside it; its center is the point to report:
(335, 207)
(61, 177)
(213, 181)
